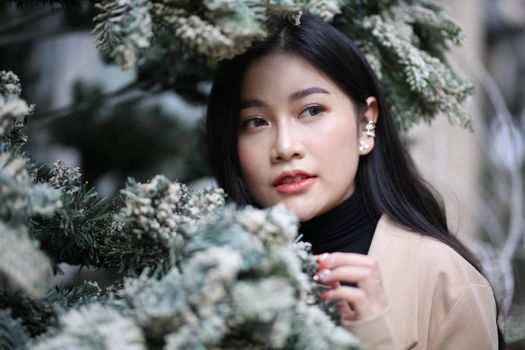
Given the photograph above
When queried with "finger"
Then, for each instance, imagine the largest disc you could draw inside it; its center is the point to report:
(359, 258)
(328, 285)
(345, 308)
(353, 296)
(345, 274)
(347, 313)
(358, 299)
(334, 284)
(338, 259)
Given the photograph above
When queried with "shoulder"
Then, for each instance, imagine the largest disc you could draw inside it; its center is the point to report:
(442, 261)
(451, 287)
(432, 288)
(444, 277)
(453, 294)
(435, 259)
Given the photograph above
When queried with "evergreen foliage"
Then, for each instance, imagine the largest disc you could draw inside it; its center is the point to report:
(405, 41)
(34, 315)
(13, 110)
(197, 273)
(12, 333)
(20, 197)
(236, 278)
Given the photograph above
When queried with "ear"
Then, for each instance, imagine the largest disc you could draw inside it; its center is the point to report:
(370, 114)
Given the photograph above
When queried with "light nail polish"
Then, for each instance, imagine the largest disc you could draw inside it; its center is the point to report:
(325, 273)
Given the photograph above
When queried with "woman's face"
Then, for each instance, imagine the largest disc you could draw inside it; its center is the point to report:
(298, 136)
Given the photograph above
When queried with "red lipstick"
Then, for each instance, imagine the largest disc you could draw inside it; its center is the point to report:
(294, 181)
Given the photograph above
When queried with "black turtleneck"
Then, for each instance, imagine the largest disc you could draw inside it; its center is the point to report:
(346, 228)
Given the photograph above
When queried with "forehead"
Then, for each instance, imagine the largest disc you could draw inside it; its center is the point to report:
(282, 72)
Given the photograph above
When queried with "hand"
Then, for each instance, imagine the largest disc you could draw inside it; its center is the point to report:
(365, 300)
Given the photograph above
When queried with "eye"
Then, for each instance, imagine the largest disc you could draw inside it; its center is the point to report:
(253, 123)
(312, 111)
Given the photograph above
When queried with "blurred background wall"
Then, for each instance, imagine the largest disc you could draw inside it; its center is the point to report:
(451, 157)
(480, 174)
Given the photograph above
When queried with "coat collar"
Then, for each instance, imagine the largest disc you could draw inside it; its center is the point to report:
(397, 252)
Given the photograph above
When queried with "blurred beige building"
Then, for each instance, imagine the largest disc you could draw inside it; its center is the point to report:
(450, 157)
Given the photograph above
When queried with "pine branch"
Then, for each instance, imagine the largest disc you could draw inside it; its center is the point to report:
(77, 296)
(204, 246)
(417, 78)
(396, 35)
(13, 110)
(22, 262)
(75, 234)
(12, 333)
(35, 315)
(95, 327)
(123, 29)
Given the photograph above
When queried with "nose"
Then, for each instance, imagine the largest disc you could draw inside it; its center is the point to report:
(287, 144)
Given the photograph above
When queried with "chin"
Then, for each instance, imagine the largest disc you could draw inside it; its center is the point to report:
(302, 211)
(304, 208)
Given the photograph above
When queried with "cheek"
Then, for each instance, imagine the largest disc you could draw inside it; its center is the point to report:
(250, 160)
(256, 172)
(339, 151)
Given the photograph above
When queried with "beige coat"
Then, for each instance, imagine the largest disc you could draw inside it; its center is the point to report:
(437, 300)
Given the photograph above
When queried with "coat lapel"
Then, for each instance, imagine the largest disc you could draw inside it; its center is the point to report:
(397, 252)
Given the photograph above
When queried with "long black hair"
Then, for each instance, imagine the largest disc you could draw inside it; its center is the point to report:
(387, 177)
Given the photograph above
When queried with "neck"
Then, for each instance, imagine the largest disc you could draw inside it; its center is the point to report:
(347, 228)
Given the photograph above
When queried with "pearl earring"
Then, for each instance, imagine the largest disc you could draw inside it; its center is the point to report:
(363, 146)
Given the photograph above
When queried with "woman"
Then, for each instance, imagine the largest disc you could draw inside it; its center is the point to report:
(300, 119)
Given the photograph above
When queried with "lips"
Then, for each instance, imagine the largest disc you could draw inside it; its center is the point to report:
(294, 181)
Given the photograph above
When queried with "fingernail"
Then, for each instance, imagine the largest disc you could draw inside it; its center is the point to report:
(325, 273)
(324, 261)
(322, 274)
(322, 256)
(326, 294)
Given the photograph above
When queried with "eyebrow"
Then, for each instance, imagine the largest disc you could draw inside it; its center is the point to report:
(255, 102)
